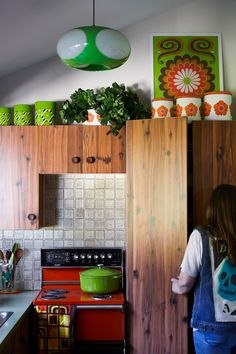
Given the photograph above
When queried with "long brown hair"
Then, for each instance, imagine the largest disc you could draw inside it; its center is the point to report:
(221, 220)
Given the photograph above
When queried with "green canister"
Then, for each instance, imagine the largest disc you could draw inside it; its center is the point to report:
(23, 114)
(5, 116)
(45, 113)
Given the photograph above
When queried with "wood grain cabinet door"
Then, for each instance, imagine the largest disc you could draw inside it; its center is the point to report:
(53, 149)
(92, 150)
(19, 187)
(214, 162)
(156, 154)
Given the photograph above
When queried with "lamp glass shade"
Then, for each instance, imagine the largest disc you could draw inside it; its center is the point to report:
(93, 48)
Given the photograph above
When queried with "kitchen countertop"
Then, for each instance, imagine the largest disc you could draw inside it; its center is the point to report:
(18, 304)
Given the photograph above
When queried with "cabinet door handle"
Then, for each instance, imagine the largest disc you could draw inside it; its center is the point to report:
(90, 159)
(76, 159)
(31, 217)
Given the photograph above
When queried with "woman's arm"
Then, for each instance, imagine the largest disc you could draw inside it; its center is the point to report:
(183, 284)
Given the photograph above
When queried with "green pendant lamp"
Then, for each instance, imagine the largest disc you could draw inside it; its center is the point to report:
(93, 48)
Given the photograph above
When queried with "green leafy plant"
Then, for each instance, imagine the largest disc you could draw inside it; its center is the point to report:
(76, 109)
(114, 104)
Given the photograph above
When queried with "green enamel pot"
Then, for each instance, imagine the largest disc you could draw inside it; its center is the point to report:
(100, 280)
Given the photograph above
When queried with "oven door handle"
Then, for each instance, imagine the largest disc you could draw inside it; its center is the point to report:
(100, 307)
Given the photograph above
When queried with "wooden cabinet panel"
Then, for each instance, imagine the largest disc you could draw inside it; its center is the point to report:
(28, 152)
(53, 149)
(214, 156)
(19, 187)
(156, 156)
(92, 150)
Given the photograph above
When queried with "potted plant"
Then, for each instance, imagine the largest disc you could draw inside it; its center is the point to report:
(76, 109)
(114, 104)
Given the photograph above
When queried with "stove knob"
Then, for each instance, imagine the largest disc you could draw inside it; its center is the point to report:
(109, 255)
(82, 256)
(102, 255)
(75, 257)
(89, 256)
(95, 256)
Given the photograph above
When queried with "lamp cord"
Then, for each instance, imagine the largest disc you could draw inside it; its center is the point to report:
(93, 12)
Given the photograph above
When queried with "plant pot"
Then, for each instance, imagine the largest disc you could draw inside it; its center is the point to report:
(100, 280)
(93, 118)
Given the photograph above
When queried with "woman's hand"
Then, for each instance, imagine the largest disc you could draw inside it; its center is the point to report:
(183, 283)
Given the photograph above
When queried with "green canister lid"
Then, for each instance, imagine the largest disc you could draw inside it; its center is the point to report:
(5, 110)
(100, 271)
(45, 105)
(22, 107)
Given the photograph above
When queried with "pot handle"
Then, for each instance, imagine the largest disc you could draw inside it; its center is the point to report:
(118, 276)
(100, 266)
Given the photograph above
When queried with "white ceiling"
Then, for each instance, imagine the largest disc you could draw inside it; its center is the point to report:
(30, 29)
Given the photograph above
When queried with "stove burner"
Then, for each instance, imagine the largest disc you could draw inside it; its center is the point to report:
(54, 294)
(101, 296)
(53, 297)
(56, 291)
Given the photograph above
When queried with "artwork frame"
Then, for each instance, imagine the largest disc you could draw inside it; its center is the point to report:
(175, 56)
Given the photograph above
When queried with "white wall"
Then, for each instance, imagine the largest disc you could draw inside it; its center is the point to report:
(51, 80)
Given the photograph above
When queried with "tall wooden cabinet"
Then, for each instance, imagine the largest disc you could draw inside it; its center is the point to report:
(162, 200)
(214, 161)
(156, 153)
(26, 153)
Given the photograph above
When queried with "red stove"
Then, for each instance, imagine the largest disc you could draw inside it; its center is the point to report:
(71, 321)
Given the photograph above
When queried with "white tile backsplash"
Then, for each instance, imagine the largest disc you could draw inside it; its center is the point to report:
(79, 211)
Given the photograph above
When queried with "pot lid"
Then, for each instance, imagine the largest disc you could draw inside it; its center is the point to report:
(99, 271)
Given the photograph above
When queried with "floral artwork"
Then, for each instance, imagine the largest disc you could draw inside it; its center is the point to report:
(188, 64)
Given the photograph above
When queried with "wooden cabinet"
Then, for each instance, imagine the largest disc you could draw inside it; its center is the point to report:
(52, 149)
(19, 340)
(214, 161)
(19, 183)
(28, 152)
(95, 150)
(156, 153)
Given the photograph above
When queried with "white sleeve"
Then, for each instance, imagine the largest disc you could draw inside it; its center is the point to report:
(192, 261)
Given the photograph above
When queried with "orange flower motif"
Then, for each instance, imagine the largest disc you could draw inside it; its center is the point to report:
(221, 108)
(207, 109)
(153, 112)
(92, 117)
(191, 110)
(179, 110)
(162, 111)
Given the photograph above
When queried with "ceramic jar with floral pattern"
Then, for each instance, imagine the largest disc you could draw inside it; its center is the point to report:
(189, 106)
(162, 108)
(218, 105)
(93, 118)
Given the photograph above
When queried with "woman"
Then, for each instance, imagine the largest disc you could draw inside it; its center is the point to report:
(209, 264)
